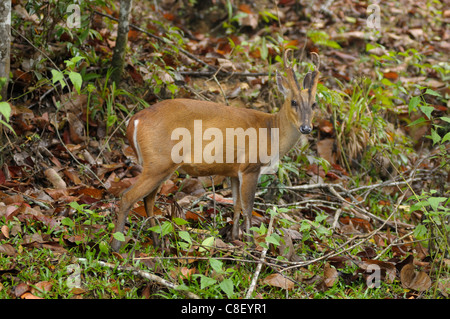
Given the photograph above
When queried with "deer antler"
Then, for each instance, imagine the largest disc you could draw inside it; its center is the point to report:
(318, 60)
(285, 59)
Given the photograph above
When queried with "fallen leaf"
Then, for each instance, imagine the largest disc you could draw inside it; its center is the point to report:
(92, 192)
(182, 273)
(29, 295)
(43, 286)
(278, 280)
(20, 289)
(220, 199)
(55, 179)
(330, 275)
(391, 75)
(168, 187)
(386, 269)
(325, 150)
(77, 291)
(8, 250)
(76, 129)
(5, 231)
(415, 280)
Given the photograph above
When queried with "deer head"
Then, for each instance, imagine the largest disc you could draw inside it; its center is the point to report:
(301, 101)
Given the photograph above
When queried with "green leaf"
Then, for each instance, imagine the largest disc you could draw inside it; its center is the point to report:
(446, 138)
(413, 102)
(76, 80)
(206, 281)
(370, 46)
(104, 247)
(418, 121)
(185, 236)
(427, 110)
(445, 118)
(273, 239)
(435, 201)
(164, 229)
(305, 226)
(58, 77)
(5, 110)
(180, 221)
(217, 265)
(432, 92)
(119, 236)
(72, 62)
(68, 222)
(435, 136)
(264, 49)
(386, 82)
(418, 206)
(420, 232)
(207, 243)
(228, 287)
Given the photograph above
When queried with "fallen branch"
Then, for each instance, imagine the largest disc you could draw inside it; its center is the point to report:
(145, 275)
(211, 73)
(261, 261)
(355, 202)
(337, 251)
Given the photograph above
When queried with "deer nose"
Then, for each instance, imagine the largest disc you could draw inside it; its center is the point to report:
(305, 129)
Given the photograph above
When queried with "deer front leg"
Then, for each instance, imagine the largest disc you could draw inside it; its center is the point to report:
(149, 203)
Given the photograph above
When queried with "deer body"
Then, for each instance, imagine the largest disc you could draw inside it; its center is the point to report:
(155, 136)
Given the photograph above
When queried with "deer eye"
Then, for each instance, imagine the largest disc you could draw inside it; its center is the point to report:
(294, 103)
(313, 106)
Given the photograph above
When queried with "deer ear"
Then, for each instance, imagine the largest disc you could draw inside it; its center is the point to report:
(281, 83)
(307, 81)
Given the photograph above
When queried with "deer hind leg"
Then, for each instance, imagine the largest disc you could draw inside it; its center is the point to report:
(235, 188)
(146, 186)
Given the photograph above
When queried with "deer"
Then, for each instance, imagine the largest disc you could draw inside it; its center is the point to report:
(154, 131)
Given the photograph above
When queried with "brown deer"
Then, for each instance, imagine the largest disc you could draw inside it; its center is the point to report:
(153, 134)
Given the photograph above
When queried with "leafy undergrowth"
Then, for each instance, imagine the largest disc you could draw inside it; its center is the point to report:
(359, 209)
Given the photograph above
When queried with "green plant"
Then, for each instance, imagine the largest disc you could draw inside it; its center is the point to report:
(322, 38)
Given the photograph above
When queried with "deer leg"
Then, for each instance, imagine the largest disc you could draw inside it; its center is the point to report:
(248, 183)
(149, 202)
(144, 186)
(235, 188)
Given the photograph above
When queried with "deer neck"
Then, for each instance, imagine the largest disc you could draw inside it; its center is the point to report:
(289, 133)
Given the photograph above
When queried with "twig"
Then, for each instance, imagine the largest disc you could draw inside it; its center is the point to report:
(393, 243)
(385, 184)
(145, 275)
(260, 263)
(220, 86)
(331, 188)
(211, 73)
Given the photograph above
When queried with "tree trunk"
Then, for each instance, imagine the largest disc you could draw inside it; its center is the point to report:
(121, 41)
(5, 40)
